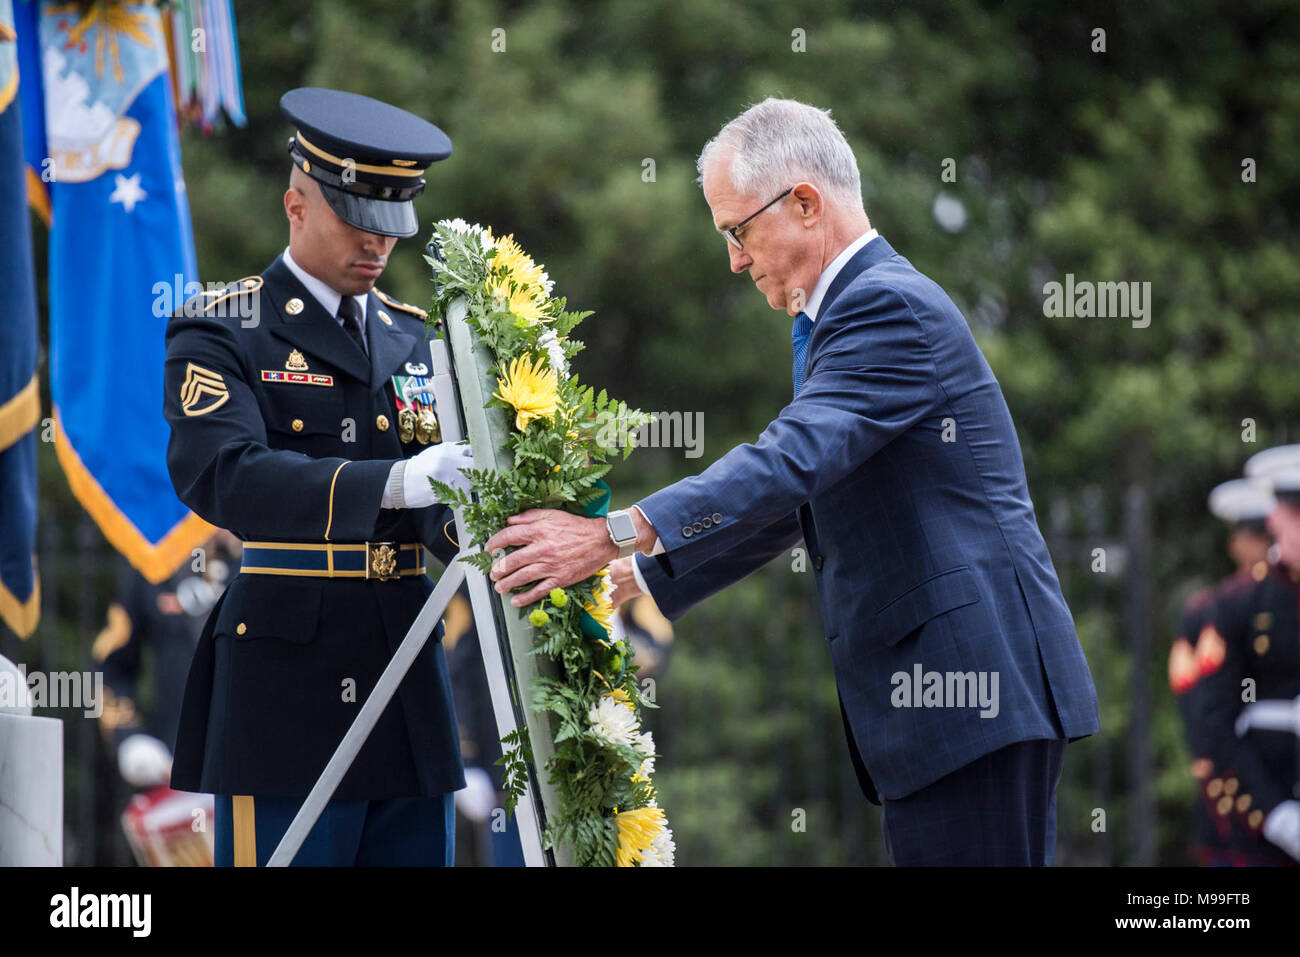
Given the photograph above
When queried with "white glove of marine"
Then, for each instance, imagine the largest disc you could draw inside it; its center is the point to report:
(144, 761)
(1282, 827)
(442, 462)
(477, 798)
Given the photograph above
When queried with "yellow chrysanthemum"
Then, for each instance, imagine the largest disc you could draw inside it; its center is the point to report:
(531, 389)
(603, 609)
(637, 831)
(511, 262)
(523, 301)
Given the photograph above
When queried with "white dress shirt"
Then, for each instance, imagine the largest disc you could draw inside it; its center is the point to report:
(326, 295)
(812, 307)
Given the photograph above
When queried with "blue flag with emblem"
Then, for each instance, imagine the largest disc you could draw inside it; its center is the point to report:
(121, 256)
(20, 407)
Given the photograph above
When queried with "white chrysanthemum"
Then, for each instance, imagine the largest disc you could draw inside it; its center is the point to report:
(613, 721)
(459, 225)
(554, 353)
(547, 283)
(662, 851)
(645, 742)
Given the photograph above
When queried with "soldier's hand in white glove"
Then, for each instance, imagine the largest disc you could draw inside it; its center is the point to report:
(408, 482)
(144, 761)
(1282, 827)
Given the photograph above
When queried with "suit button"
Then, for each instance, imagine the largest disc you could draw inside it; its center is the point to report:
(698, 526)
(717, 518)
(241, 628)
(381, 423)
(383, 317)
(296, 425)
(817, 562)
(707, 522)
(686, 531)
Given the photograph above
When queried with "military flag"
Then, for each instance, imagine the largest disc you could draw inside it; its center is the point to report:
(20, 406)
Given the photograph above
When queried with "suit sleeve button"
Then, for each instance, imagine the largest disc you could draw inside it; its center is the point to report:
(381, 423)
(296, 425)
(687, 532)
(241, 628)
(717, 518)
(707, 522)
(698, 526)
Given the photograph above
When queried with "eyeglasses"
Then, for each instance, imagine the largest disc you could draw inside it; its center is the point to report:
(732, 238)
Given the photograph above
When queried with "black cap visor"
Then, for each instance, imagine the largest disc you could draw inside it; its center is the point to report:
(382, 216)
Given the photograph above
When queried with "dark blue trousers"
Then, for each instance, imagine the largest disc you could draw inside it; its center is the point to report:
(416, 832)
(999, 810)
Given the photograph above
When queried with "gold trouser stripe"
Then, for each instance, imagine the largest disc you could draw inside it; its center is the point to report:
(330, 521)
(244, 831)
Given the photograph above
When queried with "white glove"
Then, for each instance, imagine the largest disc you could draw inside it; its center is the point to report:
(1282, 827)
(443, 462)
(476, 799)
(144, 761)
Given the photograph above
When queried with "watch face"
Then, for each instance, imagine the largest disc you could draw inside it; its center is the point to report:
(622, 526)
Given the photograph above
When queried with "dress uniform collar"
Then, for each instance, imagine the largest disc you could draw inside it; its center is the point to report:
(328, 297)
(319, 334)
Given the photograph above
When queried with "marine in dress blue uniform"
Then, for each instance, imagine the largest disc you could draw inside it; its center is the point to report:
(287, 428)
(1250, 670)
(1218, 839)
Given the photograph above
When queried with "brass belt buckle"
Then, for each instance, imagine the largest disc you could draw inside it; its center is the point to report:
(381, 561)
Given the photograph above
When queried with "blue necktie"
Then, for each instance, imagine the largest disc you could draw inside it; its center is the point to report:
(799, 341)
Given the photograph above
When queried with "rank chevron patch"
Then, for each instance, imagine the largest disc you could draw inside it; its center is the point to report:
(202, 391)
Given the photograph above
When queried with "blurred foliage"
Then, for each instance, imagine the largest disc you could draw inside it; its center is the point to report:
(1122, 165)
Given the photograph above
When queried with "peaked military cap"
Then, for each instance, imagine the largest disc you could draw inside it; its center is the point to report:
(1245, 501)
(369, 157)
(1280, 467)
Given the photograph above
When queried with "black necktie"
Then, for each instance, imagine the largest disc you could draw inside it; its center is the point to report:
(350, 313)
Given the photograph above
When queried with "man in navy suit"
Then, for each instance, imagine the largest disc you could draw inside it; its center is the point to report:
(960, 674)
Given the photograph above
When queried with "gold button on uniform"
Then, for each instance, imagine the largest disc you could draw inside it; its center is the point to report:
(241, 628)
(381, 423)
(293, 306)
(296, 425)
(1261, 645)
(384, 318)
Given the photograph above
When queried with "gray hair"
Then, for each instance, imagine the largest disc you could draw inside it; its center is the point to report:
(778, 143)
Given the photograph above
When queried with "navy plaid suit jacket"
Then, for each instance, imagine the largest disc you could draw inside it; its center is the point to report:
(899, 467)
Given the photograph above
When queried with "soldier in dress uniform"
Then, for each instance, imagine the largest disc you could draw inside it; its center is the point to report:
(1250, 680)
(302, 419)
(1245, 504)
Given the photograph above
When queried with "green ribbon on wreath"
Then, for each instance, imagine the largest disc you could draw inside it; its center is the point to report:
(588, 625)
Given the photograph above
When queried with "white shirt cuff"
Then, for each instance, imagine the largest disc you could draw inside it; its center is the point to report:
(657, 550)
(640, 579)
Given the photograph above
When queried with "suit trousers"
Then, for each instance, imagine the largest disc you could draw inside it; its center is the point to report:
(998, 810)
(398, 832)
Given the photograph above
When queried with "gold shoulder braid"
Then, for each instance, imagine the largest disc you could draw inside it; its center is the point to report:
(404, 306)
(239, 287)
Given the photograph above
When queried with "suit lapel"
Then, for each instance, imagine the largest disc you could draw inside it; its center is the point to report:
(389, 346)
(312, 330)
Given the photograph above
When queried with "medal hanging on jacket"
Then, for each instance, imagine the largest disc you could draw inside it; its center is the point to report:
(416, 415)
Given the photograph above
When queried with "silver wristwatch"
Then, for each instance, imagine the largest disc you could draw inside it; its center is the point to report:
(622, 532)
